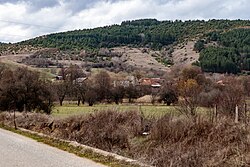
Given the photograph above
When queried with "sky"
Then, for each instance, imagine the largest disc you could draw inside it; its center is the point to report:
(24, 19)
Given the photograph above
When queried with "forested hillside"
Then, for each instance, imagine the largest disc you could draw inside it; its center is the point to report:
(146, 32)
(231, 56)
(223, 45)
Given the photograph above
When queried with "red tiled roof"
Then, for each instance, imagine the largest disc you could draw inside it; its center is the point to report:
(150, 81)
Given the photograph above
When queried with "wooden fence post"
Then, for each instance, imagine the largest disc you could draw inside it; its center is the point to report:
(236, 114)
(245, 113)
(215, 113)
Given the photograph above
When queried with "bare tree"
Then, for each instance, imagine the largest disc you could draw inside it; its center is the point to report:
(79, 91)
(117, 94)
(23, 89)
(232, 95)
(131, 92)
(191, 72)
(70, 86)
(102, 85)
(189, 92)
(168, 94)
(61, 90)
(91, 93)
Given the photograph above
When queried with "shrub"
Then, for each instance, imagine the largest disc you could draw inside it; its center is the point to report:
(172, 141)
(109, 129)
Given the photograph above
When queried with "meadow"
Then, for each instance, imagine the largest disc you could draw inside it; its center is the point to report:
(148, 110)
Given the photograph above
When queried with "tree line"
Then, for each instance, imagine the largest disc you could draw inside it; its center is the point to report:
(24, 90)
(145, 32)
(232, 55)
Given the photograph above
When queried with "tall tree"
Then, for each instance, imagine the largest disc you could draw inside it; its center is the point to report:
(189, 92)
(24, 89)
(102, 85)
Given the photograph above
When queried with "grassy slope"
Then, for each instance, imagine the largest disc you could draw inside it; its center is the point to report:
(14, 65)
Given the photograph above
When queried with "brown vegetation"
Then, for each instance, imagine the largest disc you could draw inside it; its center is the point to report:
(171, 141)
(23, 90)
(183, 143)
(166, 141)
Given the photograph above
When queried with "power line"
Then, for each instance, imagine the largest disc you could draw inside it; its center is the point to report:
(27, 24)
(3, 34)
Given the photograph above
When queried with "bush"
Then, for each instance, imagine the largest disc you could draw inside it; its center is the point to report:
(179, 142)
(108, 130)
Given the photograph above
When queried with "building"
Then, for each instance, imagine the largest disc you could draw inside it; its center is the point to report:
(152, 82)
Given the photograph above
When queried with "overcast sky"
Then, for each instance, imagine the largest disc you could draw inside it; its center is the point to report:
(23, 19)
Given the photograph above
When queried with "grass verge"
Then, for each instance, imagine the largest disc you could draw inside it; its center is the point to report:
(79, 151)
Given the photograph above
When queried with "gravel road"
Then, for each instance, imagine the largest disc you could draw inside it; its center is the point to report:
(20, 151)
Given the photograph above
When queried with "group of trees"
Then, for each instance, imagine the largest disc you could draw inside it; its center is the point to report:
(23, 90)
(222, 60)
(96, 88)
(194, 90)
(145, 32)
(231, 56)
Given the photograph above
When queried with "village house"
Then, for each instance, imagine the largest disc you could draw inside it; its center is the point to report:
(152, 82)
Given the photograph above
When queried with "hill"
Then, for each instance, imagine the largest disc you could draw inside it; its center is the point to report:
(147, 32)
(231, 56)
(214, 45)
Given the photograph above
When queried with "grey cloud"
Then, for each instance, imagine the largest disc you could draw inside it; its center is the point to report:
(43, 3)
(33, 4)
(76, 6)
(9, 1)
(78, 14)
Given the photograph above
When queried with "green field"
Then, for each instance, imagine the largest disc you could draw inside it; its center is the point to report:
(148, 110)
(69, 109)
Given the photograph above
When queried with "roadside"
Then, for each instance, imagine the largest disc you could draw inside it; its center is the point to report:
(93, 154)
(18, 150)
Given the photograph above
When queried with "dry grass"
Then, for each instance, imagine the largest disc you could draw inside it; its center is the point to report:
(108, 130)
(184, 54)
(134, 56)
(182, 143)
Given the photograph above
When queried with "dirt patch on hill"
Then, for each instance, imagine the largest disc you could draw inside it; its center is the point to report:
(116, 59)
(184, 54)
(14, 57)
(140, 58)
